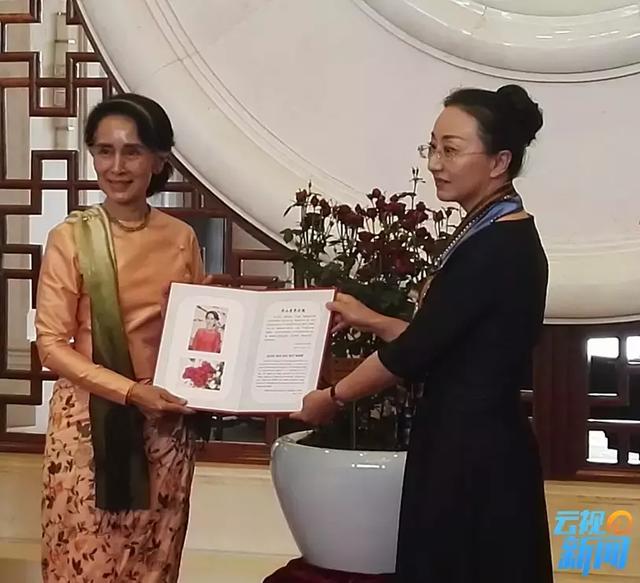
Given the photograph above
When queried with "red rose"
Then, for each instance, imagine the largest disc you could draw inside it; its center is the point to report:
(366, 248)
(410, 221)
(207, 367)
(421, 216)
(353, 220)
(342, 211)
(395, 208)
(200, 375)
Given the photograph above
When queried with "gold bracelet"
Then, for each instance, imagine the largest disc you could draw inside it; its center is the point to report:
(128, 393)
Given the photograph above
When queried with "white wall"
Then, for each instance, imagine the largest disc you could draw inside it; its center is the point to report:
(269, 94)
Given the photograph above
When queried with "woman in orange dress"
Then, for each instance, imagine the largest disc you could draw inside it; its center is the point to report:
(119, 456)
(208, 339)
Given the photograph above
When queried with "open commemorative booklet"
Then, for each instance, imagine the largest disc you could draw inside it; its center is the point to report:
(243, 351)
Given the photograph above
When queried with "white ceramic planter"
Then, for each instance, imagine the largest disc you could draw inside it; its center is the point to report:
(342, 506)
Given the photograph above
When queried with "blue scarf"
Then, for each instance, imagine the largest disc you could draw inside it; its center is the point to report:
(504, 202)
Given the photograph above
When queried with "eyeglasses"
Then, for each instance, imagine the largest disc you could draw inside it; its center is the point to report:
(128, 151)
(447, 153)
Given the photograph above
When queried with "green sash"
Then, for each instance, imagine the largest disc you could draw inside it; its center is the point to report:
(121, 468)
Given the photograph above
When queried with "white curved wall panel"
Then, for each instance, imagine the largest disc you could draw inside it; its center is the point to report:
(589, 44)
(268, 94)
(556, 7)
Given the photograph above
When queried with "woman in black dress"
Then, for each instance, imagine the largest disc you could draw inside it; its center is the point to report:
(473, 506)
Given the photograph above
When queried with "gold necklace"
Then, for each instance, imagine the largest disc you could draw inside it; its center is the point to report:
(127, 228)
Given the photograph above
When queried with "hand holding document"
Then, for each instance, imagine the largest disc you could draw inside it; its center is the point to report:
(243, 351)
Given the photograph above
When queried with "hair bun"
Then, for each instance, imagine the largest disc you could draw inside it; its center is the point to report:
(525, 112)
